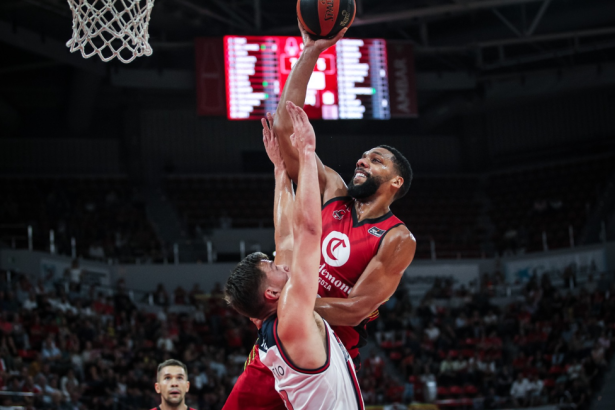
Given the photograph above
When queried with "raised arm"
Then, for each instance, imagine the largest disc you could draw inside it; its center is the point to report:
(296, 325)
(284, 196)
(377, 283)
(294, 91)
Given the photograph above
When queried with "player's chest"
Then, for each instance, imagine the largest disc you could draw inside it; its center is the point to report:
(347, 248)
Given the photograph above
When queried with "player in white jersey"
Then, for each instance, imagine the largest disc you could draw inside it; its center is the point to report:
(311, 367)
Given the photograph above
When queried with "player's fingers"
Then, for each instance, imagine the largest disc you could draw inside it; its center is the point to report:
(265, 126)
(291, 108)
(340, 35)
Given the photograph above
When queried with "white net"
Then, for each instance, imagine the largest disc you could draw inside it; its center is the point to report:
(111, 28)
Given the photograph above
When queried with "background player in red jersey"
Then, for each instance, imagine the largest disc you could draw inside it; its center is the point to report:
(172, 384)
(382, 175)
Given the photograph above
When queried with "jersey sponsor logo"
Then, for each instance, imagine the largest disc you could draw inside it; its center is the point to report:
(327, 280)
(336, 249)
(377, 232)
(339, 214)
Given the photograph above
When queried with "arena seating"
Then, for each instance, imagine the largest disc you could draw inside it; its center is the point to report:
(454, 343)
(443, 209)
(528, 202)
(238, 201)
(96, 348)
(101, 213)
(548, 346)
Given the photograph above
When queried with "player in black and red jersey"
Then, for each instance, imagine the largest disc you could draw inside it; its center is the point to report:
(365, 249)
(172, 384)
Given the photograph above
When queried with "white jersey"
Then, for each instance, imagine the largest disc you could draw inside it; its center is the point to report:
(333, 386)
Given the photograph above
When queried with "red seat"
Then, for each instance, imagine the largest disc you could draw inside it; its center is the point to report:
(387, 344)
(470, 390)
(442, 392)
(549, 383)
(455, 391)
(395, 356)
(556, 370)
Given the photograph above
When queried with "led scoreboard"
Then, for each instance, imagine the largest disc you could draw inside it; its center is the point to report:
(350, 80)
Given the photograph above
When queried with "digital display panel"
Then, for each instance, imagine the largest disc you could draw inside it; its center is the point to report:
(350, 80)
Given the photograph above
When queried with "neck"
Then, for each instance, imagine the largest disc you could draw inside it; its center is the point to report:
(371, 208)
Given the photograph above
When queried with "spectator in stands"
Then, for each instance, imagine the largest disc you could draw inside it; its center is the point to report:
(180, 296)
(30, 303)
(161, 297)
(447, 374)
(534, 388)
(492, 401)
(519, 391)
(96, 251)
(50, 353)
(165, 343)
(461, 326)
(75, 272)
(432, 332)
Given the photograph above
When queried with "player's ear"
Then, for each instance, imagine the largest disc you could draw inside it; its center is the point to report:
(272, 294)
(397, 181)
(157, 387)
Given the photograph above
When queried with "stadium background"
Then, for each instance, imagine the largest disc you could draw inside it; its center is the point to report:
(513, 207)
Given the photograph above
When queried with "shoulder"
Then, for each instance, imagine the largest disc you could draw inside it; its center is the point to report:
(332, 184)
(398, 237)
(338, 200)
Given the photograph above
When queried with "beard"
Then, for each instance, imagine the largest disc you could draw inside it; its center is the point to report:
(366, 189)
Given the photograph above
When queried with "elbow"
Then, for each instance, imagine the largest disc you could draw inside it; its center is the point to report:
(361, 312)
(313, 228)
(308, 225)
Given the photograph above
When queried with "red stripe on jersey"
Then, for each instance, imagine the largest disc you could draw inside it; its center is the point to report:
(355, 385)
(290, 363)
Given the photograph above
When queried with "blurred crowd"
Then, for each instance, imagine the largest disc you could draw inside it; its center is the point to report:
(66, 345)
(105, 216)
(547, 345)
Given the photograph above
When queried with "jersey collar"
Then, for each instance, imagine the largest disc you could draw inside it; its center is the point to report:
(355, 219)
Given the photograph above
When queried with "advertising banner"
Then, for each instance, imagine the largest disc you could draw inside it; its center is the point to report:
(580, 264)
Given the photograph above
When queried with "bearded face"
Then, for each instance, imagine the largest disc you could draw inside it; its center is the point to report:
(363, 184)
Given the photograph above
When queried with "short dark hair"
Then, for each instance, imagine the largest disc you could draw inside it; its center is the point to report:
(171, 362)
(243, 289)
(403, 168)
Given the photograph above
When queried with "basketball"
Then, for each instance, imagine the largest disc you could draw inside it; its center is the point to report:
(325, 18)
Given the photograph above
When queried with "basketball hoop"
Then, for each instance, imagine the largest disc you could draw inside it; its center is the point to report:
(111, 28)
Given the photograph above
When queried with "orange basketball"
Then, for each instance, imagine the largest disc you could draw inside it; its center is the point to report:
(325, 18)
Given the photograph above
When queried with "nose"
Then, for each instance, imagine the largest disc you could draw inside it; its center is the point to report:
(362, 163)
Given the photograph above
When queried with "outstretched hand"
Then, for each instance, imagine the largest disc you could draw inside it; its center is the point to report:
(304, 138)
(272, 145)
(321, 44)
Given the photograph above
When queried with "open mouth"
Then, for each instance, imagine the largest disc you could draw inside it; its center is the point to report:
(360, 175)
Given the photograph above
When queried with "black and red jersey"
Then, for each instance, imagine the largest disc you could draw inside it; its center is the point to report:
(347, 247)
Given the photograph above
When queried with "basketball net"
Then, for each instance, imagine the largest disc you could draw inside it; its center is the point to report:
(111, 28)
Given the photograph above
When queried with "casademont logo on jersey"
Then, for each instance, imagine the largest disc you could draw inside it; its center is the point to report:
(336, 249)
(335, 252)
